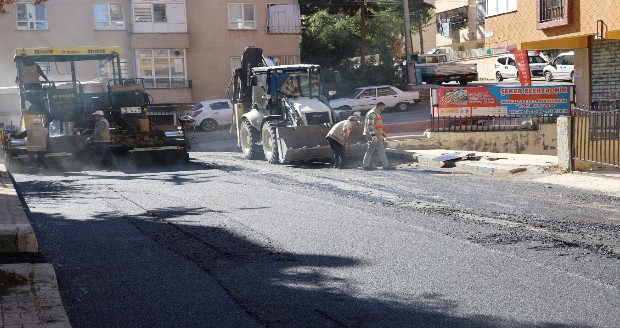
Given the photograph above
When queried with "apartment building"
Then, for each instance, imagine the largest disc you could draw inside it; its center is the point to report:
(459, 24)
(185, 50)
(591, 28)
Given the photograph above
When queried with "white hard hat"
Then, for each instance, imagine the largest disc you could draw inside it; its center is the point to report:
(36, 120)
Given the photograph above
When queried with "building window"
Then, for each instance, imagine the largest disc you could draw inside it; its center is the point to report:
(109, 16)
(551, 10)
(159, 16)
(162, 68)
(105, 69)
(552, 13)
(241, 16)
(235, 62)
(159, 13)
(498, 7)
(283, 18)
(451, 20)
(31, 17)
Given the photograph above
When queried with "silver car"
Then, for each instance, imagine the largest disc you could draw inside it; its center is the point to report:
(209, 114)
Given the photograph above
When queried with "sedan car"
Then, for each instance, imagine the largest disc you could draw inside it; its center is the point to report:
(209, 114)
(365, 98)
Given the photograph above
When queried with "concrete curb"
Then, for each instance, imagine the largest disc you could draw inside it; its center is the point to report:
(477, 167)
(16, 233)
(29, 297)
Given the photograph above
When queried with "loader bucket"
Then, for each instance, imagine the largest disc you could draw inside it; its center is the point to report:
(306, 143)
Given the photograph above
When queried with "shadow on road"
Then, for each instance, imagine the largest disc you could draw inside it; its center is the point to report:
(274, 288)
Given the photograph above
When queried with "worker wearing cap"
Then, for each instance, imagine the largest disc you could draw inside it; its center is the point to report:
(101, 140)
(37, 138)
(337, 139)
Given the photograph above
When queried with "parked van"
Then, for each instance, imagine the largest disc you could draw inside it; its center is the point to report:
(561, 68)
(506, 66)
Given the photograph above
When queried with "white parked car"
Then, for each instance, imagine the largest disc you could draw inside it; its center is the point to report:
(561, 68)
(209, 114)
(506, 66)
(365, 98)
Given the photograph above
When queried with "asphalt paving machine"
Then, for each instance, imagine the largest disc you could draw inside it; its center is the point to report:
(281, 112)
(66, 108)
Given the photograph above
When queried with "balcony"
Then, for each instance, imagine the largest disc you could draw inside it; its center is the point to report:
(552, 13)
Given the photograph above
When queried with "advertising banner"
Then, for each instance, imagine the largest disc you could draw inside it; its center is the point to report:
(523, 67)
(503, 101)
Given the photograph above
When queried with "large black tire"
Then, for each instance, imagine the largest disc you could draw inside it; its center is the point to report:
(250, 141)
(498, 77)
(208, 124)
(270, 144)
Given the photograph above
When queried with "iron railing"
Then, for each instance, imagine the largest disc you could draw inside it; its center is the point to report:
(551, 10)
(596, 135)
(489, 123)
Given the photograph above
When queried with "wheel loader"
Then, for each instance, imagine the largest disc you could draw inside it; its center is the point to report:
(281, 112)
(65, 108)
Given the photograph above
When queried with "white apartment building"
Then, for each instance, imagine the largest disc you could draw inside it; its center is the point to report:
(184, 49)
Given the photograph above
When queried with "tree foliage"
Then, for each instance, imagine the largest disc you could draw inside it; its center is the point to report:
(5, 3)
(332, 36)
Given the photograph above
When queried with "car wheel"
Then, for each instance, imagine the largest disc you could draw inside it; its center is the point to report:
(572, 77)
(402, 107)
(208, 124)
(463, 82)
(548, 76)
(498, 77)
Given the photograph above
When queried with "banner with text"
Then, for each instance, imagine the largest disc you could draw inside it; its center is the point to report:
(523, 67)
(503, 101)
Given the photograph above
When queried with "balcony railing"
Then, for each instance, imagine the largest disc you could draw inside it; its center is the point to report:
(551, 10)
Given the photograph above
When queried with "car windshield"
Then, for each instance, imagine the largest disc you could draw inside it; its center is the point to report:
(536, 60)
(297, 84)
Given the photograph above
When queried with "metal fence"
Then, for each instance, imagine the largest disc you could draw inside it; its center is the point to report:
(596, 135)
(489, 123)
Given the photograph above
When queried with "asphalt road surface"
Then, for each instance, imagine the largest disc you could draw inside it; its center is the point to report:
(227, 242)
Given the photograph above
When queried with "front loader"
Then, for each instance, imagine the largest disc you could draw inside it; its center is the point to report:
(281, 112)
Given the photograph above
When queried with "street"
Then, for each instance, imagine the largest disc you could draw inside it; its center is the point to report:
(227, 242)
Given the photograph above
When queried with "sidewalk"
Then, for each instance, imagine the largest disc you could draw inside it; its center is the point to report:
(538, 168)
(29, 294)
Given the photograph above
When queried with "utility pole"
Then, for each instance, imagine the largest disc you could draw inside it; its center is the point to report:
(411, 78)
(363, 47)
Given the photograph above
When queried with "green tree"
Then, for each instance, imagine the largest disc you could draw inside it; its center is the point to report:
(5, 3)
(331, 40)
(421, 14)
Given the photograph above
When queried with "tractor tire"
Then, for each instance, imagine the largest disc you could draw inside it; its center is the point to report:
(270, 144)
(250, 141)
